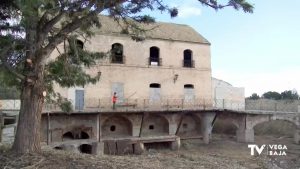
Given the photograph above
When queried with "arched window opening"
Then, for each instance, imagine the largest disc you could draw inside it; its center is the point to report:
(85, 148)
(154, 85)
(117, 53)
(68, 136)
(154, 58)
(189, 86)
(79, 44)
(84, 135)
(187, 58)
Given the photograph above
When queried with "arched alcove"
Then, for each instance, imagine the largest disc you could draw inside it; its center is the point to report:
(190, 126)
(116, 126)
(155, 125)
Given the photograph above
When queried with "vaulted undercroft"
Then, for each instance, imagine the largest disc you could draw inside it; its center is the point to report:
(133, 132)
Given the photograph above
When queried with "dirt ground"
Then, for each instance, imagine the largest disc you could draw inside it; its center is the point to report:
(222, 152)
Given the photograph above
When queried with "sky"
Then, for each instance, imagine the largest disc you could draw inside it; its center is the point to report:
(259, 51)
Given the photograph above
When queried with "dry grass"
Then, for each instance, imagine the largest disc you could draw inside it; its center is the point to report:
(223, 152)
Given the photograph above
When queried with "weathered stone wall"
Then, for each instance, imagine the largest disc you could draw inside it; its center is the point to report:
(273, 105)
(136, 75)
(72, 126)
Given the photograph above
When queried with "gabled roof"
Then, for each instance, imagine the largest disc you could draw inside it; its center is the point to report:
(158, 30)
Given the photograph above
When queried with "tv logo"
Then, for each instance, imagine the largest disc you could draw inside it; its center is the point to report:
(255, 147)
(272, 149)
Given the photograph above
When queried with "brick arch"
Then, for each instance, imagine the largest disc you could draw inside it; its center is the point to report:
(234, 119)
(227, 123)
(190, 126)
(116, 126)
(268, 119)
(155, 125)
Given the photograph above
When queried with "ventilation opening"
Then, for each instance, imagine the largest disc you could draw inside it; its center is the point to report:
(85, 148)
(9, 121)
(184, 125)
(151, 127)
(157, 145)
(189, 86)
(68, 136)
(154, 85)
(112, 128)
(58, 148)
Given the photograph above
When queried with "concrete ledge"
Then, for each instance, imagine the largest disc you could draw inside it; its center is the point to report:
(121, 146)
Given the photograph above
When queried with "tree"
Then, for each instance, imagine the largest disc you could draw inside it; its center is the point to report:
(290, 95)
(272, 95)
(254, 96)
(31, 29)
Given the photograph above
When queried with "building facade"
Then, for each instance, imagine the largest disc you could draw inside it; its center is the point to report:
(172, 63)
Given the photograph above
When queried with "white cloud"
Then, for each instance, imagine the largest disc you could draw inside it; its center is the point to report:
(188, 11)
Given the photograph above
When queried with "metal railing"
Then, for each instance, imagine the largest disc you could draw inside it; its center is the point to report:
(154, 61)
(188, 63)
(166, 104)
(118, 59)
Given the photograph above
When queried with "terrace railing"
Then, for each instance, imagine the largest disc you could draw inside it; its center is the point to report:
(166, 104)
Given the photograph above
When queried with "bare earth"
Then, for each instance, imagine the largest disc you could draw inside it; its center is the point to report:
(222, 152)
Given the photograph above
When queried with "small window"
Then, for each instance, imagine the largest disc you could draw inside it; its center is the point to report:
(187, 58)
(189, 86)
(151, 127)
(154, 58)
(154, 85)
(117, 53)
(184, 125)
(113, 128)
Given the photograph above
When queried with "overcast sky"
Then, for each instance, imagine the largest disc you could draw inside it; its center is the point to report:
(259, 51)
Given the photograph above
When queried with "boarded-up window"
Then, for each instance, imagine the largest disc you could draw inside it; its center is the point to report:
(154, 92)
(189, 93)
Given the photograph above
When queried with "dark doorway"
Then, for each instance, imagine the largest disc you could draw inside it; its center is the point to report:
(85, 148)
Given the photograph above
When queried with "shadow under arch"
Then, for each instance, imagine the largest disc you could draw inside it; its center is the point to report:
(282, 127)
(190, 126)
(225, 125)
